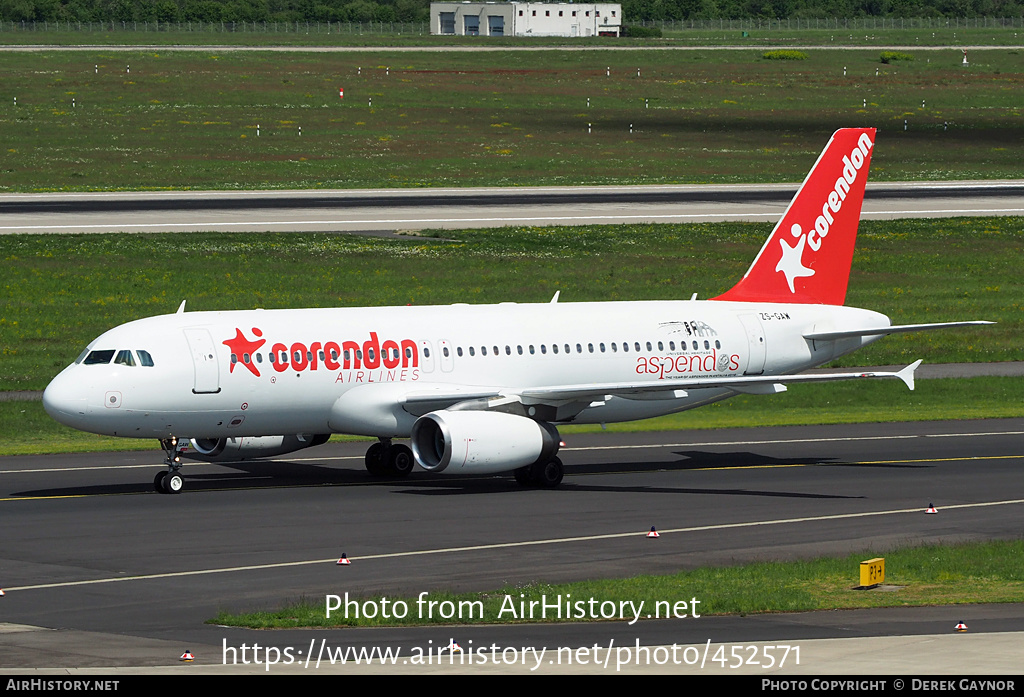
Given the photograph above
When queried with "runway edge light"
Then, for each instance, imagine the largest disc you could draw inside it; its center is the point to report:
(961, 627)
(344, 561)
(653, 533)
(931, 508)
(187, 657)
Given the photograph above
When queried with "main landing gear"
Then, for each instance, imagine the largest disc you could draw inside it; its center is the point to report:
(544, 475)
(169, 481)
(387, 459)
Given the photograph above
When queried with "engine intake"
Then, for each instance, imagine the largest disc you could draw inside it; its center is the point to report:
(481, 442)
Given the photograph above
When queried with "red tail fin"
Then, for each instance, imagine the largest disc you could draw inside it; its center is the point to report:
(808, 255)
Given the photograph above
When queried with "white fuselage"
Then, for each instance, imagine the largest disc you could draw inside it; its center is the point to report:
(264, 372)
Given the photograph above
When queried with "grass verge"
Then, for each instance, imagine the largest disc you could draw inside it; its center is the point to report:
(983, 572)
(214, 118)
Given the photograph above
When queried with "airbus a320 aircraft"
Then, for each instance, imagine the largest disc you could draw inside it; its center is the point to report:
(482, 388)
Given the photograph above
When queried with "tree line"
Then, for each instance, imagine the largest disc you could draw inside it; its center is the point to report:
(419, 10)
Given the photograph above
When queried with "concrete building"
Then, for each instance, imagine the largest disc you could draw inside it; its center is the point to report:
(525, 19)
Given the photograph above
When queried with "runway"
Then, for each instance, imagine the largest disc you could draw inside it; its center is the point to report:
(129, 576)
(413, 210)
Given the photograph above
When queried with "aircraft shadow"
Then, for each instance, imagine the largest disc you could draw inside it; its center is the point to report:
(256, 474)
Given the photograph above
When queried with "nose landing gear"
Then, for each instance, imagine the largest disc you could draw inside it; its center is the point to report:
(169, 481)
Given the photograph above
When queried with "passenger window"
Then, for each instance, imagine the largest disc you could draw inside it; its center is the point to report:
(543, 348)
(99, 357)
(472, 352)
(707, 344)
(124, 358)
(145, 359)
(661, 346)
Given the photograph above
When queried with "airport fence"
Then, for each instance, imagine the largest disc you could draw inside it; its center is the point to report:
(423, 28)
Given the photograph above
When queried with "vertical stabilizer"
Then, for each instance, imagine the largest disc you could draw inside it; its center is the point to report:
(807, 258)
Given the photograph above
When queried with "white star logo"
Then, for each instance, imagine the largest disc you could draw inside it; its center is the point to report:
(791, 262)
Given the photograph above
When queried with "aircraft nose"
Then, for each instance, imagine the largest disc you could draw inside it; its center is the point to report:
(65, 401)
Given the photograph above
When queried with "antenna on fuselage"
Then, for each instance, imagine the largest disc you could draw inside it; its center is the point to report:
(555, 298)
(692, 298)
(181, 307)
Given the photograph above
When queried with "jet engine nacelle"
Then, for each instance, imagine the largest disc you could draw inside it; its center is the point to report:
(247, 448)
(480, 442)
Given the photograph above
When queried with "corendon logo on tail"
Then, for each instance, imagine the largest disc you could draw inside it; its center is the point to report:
(390, 355)
(791, 262)
(808, 257)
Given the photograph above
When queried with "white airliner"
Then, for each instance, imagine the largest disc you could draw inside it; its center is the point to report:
(482, 388)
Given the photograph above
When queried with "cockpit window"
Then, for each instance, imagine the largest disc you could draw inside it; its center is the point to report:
(145, 359)
(124, 358)
(99, 357)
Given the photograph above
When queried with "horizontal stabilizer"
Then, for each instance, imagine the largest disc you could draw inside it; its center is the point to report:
(907, 374)
(881, 331)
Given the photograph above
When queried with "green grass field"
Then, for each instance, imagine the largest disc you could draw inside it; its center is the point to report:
(104, 120)
(988, 572)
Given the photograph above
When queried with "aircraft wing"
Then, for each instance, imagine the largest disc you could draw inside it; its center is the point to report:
(669, 389)
(879, 331)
